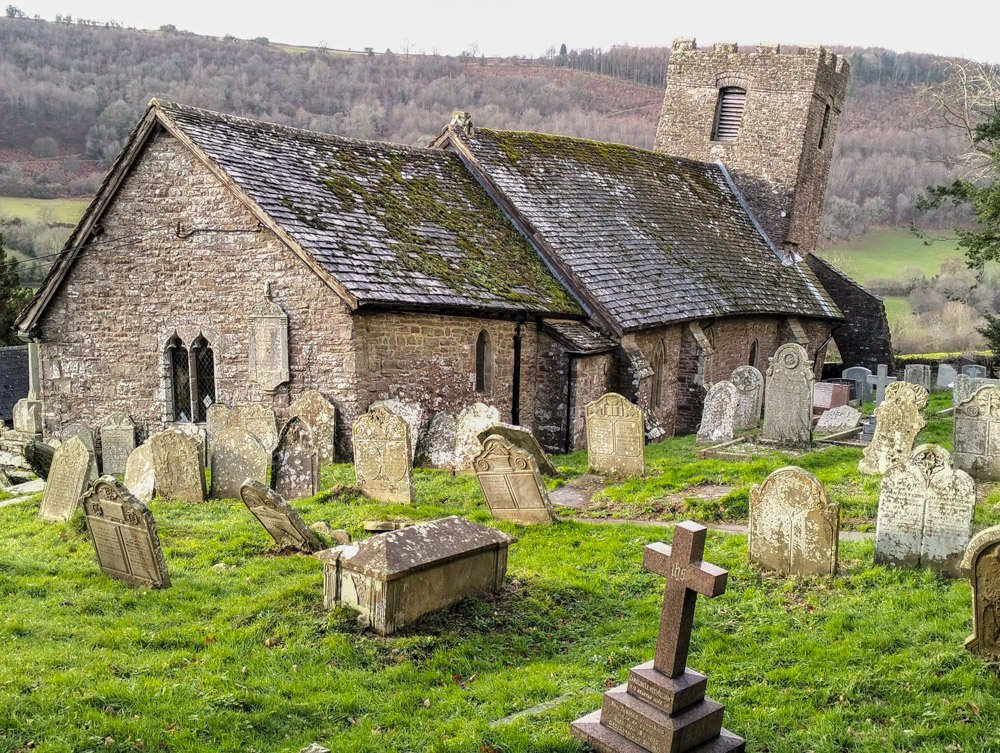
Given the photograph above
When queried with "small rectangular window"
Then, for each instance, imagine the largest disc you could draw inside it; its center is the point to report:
(822, 130)
(729, 113)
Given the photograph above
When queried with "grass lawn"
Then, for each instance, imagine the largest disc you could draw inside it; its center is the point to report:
(887, 252)
(43, 210)
(247, 660)
(897, 308)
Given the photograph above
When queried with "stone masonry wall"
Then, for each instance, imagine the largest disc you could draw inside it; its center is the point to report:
(591, 379)
(551, 394)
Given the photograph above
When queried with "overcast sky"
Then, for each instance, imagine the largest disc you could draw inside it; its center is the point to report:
(530, 27)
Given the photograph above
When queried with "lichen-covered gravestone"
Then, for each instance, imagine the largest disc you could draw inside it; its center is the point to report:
(38, 454)
(513, 487)
(178, 467)
(259, 420)
(837, 419)
(718, 414)
(196, 434)
(522, 438)
(140, 474)
(218, 418)
(975, 370)
(794, 528)
(382, 455)
(977, 434)
(117, 443)
(236, 456)
(86, 435)
(918, 373)
(437, 449)
(965, 386)
(981, 564)
(321, 415)
(279, 518)
(898, 421)
(70, 474)
(788, 400)
(124, 535)
(616, 442)
(414, 415)
(860, 374)
(469, 423)
(925, 510)
(295, 461)
(749, 384)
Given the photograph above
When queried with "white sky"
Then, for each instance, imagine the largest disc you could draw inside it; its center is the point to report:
(530, 27)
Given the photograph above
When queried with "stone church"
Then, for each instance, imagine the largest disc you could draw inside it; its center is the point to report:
(226, 259)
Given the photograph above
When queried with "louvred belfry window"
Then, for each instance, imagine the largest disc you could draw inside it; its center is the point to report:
(729, 113)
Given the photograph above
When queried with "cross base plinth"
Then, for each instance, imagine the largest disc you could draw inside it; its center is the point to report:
(605, 740)
(658, 732)
(668, 694)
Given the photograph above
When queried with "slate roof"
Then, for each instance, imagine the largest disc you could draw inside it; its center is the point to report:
(578, 336)
(652, 239)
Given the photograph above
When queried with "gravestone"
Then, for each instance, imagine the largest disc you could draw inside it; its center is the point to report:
(140, 476)
(946, 376)
(977, 434)
(38, 454)
(117, 443)
(382, 455)
(70, 474)
(838, 419)
(788, 399)
(218, 418)
(295, 462)
(124, 535)
(616, 442)
(28, 417)
(794, 528)
(321, 415)
(268, 343)
(86, 435)
(469, 423)
(880, 381)
(918, 373)
(853, 389)
(925, 510)
(663, 707)
(718, 414)
(964, 387)
(981, 565)
(196, 434)
(414, 415)
(522, 438)
(827, 395)
(975, 370)
(897, 422)
(259, 420)
(177, 466)
(511, 483)
(750, 397)
(437, 450)
(867, 430)
(236, 457)
(859, 375)
(279, 518)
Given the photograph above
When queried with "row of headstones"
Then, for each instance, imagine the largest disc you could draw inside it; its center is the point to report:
(973, 377)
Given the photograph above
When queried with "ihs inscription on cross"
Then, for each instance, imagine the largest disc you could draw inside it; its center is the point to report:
(687, 576)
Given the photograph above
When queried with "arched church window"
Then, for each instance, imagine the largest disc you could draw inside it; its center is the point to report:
(753, 353)
(729, 113)
(484, 363)
(180, 379)
(203, 361)
(659, 365)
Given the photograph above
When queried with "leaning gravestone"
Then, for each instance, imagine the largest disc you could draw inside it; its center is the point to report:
(295, 462)
(382, 455)
(140, 476)
(39, 457)
(794, 528)
(788, 400)
(925, 510)
(975, 370)
(511, 483)
(437, 449)
(86, 436)
(218, 418)
(321, 415)
(718, 414)
(259, 420)
(236, 457)
(750, 397)
(69, 476)
(663, 707)
(124, 535)
(981, 564)
(616, 442)
(837, 419)
(859, 375)
(918, 373)
(117, 443)
(279, 518)
(522, 438)
(177, 467)
(898, 421)
(977, 434)
(945, 376)
(469, 423)
(414, 415)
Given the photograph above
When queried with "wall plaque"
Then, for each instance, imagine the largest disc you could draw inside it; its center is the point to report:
(268, 343)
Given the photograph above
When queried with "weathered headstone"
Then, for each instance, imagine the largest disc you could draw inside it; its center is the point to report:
(794, 528)
(975, 370)
(259, 420)
(414, 415)
(925, 510)
(28, 417)
(880, 381)
(511, 483)
(522, 438)
(196, 434)
(236, 457)
(981, 565)
(663, 708)
(86, 436)
(827, 395)
(470, 422)
(860, 374)
(382, 455)
(140, 476)
(69, 476)
(898, 421)
(268, 343)
(218, 418)
(117, 443)
(278, 517)
(39, 456)
(918, 373)
(295, 461)
(838, 419)
(945, 376)
(788, 399)
(964, 386)
(321, 415)
(616, 442)
(437, 449)
(718, 414)
(750, 398)
(977, 434)
(124, 535)
(177, 466)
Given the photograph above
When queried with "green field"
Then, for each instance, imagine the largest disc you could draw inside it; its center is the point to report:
(49, 211)
(887, 253)
(897, 308)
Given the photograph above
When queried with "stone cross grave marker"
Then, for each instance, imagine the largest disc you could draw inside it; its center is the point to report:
(718, 414)
(259, 420)
(511, 483)
(382, 455)
(117, 443)
(140, 475)
(295, 462)
(880, 381)
(981, 564)
(918, 373)
(977, 434)
(86, 435)
(70, 474)
(837, 419)
(218, 418)
(794, 528)
(945, 376)
(925, 510)
(321, 415)
(124, 535)
(859, 375)
(897, 422)
(178, 467)
(975, 370)
(236, 456)
(663, 707)
(788, 399)
(616, 442)
(279, 518)
(750, 399)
